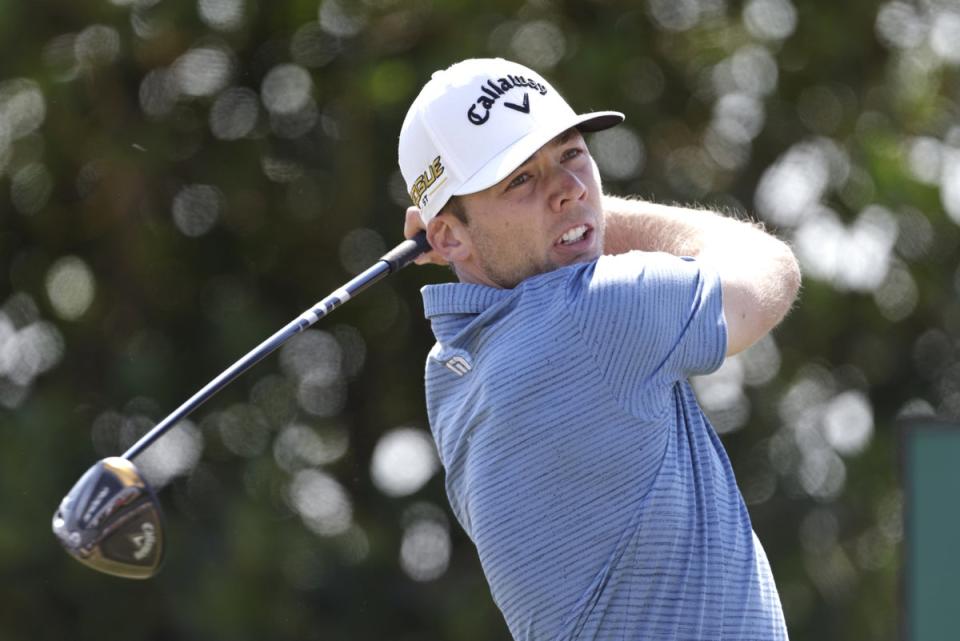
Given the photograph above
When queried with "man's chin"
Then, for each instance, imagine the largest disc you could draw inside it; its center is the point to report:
(585, 257)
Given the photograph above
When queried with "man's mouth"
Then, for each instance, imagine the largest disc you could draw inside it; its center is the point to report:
(574, 235)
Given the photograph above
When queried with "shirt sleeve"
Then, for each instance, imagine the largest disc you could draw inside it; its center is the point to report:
(650, 320)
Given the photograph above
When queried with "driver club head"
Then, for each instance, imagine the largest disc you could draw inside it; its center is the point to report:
(111, 521)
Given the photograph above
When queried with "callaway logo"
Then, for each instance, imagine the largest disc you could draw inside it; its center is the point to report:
(479, 112)
(423, 182)
(143, 543)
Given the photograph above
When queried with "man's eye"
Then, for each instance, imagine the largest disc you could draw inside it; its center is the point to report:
(573, 152)
(519, 180)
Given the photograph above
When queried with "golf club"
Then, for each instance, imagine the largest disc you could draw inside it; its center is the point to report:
(111, 520)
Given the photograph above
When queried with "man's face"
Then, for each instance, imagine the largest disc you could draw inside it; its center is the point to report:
(546, 214)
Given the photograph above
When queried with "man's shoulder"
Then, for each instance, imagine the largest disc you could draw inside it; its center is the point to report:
(569, 280)
(637, 266)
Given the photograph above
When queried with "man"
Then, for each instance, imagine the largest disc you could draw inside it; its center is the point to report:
(599, 498)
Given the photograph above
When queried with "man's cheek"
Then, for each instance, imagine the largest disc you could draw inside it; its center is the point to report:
(595, 172)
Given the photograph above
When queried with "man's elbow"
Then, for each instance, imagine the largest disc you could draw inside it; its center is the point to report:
(781, 291)
(788, 279)
(753, 310)
(777, 290)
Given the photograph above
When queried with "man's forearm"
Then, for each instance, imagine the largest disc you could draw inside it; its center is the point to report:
(636, 224)
(759, 273)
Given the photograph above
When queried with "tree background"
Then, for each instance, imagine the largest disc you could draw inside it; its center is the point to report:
(179, 179)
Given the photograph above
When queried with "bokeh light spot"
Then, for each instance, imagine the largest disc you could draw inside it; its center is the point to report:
(761, 362)
(286, 89)
(202, 71)
(96, 46)
(23, 107)
(300, 446)
(897, 297)
(924, 159)
(311, 46)
(721, 395)
(619, 153)
(674, 15)
(852, 258)
(223, 15)
(643, 81)
(770, 19)
(70, 287)
(320, 397)
(281, 170)
(234, 113)
(539, 44)
(296, 124)
(30, 188)
(244, 430)
(945, 36)
(404, 459)
(790, 189)
(848, 422)
(425, 550)
(321, 502)
(27, 352)
(341, 18)
(59, 55)
(313, 360)
(360, 248)
(950, 184)
(754, 70)
(899, 25)
(738, 117)
(158, 93)
(314, 353)
(196, 209)
(176, 454)
(353, 346)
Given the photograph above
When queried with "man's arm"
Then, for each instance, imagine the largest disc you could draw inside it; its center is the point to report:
(758, 272)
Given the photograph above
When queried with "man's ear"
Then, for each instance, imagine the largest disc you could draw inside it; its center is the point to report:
(449, 238)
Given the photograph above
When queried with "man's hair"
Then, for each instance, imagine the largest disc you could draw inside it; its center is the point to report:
(456, 209)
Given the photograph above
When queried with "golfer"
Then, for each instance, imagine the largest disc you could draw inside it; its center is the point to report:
(600, 500)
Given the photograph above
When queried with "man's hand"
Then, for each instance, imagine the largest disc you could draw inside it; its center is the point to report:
(411, 226)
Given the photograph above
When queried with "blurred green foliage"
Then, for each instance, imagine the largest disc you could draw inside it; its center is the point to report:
(179, 179)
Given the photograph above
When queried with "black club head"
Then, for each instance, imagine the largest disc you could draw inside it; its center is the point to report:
(111, 521)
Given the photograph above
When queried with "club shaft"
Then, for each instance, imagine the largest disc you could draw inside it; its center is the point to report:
(394, 260)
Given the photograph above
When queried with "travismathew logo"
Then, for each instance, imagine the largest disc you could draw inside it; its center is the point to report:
(494, 89)
(458, 365)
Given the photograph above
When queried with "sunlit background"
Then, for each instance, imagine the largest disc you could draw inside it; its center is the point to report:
(179, 179)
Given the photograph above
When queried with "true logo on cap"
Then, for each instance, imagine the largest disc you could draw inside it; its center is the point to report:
(492, 90)
(424, 181)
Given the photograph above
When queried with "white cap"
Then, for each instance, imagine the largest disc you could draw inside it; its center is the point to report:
(477, 121)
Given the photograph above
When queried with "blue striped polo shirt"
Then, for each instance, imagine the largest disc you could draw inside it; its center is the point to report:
(600, 500)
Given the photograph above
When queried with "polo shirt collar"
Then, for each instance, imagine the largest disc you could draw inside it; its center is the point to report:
(460, 298)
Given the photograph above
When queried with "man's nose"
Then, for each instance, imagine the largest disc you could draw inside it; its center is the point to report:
(566, 188)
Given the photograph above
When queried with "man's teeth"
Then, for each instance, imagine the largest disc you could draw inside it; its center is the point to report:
(573, 235)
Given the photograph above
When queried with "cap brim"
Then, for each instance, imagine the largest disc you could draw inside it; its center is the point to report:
(504, 163)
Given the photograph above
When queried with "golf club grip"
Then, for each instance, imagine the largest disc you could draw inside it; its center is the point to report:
(408, 250)
(392, 261)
